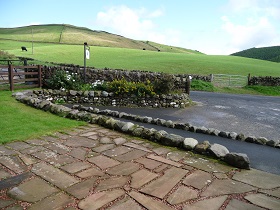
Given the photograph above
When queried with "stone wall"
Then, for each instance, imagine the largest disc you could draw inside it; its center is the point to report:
(106, 74)
(103, 98)
(265, 81)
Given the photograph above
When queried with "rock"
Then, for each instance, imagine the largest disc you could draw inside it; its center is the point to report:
(169, 124)
(214, 132)
(147, 119)
(202, 148)
(261, 140)
(127, 126)
(232, 135)
(272, 143)
(91, 94)
(104, 94)
(172, 140)
(118, 125)
(189, 143)
(201, 130)
(218, 150)
(160, 134)
(238, 160)
(223, 134)
(137, 132)
(240, 137)
(251, 139)
(73, 92)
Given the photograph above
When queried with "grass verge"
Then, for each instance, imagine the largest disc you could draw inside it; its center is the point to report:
(198, 85)
(21, 122)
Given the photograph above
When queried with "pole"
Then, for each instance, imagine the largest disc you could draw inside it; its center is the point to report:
(32, 39)
(85, 45)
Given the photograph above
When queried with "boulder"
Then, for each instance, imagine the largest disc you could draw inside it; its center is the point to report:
(218, 151)
(169, 124)
(261, 140)
(189, 143)
(172, 140)
(223, 134)
(160, 134)
(214, 132)
(251, 139)
(232, 135)
(202, 148)
(201, 130)
(238, 160)
(272, 143)
(127, 126)
(240, 137)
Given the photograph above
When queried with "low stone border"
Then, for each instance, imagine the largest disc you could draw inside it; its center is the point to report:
(218, 151)
(103, 98)
(182, 126)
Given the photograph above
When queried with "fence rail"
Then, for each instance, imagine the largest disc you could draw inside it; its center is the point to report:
(20, 77)
(226, 80)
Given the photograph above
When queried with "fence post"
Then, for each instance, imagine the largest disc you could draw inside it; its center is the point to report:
(249, 78)
(39, 76)
(11, 77)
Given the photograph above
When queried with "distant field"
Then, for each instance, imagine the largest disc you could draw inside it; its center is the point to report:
(132, 59)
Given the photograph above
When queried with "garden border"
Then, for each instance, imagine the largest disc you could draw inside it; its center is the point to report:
(217, 151)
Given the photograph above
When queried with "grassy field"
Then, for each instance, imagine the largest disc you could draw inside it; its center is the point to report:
(133, 59)
(21, 122)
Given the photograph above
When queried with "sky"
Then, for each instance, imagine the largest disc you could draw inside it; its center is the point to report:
(216, 27)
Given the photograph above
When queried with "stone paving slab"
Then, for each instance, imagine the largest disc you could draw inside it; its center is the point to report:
(37, 189)
(100, 199)
(264, 201)
(258, 178)
(96, 168)
(160, 187)
(54, 175)
(148, 202)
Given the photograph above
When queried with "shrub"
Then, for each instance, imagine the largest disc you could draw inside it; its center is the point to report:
(138, 88)
(165, 84)
(64, 80)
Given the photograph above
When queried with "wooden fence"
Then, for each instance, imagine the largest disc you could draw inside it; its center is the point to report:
(20, 77)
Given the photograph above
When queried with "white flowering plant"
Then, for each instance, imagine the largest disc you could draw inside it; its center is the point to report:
(64, 80)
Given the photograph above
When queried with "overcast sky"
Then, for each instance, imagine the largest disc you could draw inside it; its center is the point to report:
(210, 26)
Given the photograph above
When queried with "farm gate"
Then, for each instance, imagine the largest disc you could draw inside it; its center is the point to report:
(227, 80)
(12, 77)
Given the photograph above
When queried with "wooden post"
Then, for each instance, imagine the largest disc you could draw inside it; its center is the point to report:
(39, 76)
(11, 77)
(249, 78)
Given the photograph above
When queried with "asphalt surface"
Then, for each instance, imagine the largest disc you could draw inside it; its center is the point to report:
(247, 114)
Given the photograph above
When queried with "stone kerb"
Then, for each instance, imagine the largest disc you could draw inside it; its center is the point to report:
(103, 98)
(161, 137)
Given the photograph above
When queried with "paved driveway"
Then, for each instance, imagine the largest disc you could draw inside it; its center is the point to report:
(251, 115)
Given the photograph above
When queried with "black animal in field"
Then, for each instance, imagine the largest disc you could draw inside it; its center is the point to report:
(23, 49)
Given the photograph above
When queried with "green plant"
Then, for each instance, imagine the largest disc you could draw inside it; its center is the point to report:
(164, 84)
(122, 86)
(202, 86)
(64, 80)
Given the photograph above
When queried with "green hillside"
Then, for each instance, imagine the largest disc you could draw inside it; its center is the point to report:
(263, 53)
(68, 34)
(133, 59)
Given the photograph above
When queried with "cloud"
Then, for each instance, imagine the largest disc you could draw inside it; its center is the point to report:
(132, 23)
(251, 23)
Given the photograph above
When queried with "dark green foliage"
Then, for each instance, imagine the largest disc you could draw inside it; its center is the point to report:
(263, 53)
(164, 84)
(64, 80)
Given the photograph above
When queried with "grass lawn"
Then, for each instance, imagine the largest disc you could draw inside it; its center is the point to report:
(21, 122)
(133, 59)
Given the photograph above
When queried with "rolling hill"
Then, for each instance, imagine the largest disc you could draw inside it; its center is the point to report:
(263, 53)
(64, 44)
(69, 34)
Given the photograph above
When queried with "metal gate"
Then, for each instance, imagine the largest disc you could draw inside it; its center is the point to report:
(226, 80)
